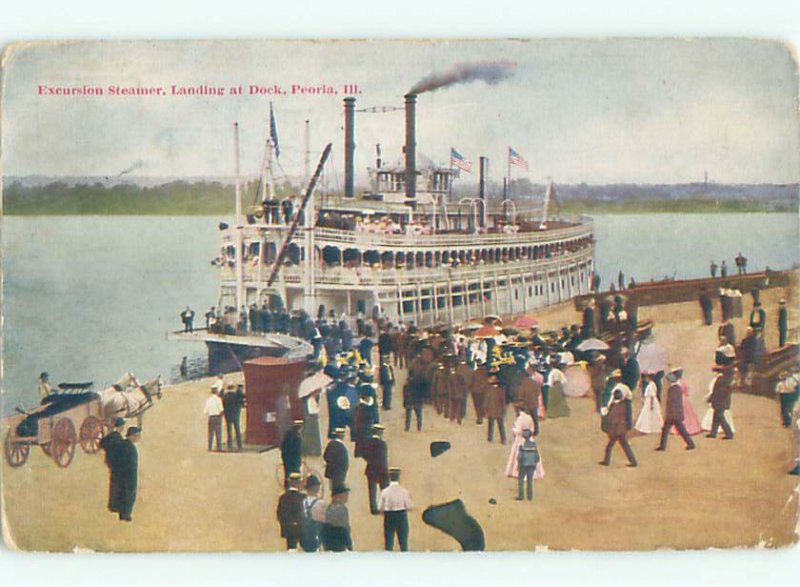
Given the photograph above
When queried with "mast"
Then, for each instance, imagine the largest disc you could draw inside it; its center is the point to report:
(238, 223)
(307, 154)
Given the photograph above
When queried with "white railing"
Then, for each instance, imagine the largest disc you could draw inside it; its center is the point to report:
(365, 276)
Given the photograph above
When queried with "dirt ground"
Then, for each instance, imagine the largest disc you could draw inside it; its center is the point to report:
(724, 494)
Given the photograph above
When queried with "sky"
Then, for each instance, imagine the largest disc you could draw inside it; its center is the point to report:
(599, 111)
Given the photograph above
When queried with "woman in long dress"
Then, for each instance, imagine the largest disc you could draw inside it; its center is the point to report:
(557, 406)
(524, 421)
(650, 419)
(690, 419)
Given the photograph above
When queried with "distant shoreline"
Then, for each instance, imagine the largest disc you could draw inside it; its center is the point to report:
(209, 198)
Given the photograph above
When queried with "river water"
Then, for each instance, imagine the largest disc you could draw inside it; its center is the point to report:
(87, 298)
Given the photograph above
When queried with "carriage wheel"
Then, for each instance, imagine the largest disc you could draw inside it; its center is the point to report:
(63, 444)
(16, 452)
(46, 449)
(91, 433)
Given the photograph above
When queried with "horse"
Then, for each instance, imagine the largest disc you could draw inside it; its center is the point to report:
(127, 398)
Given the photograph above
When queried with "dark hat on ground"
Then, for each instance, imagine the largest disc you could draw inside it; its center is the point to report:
(119, 422)
(133, 430)
(339, 489)
(312, 481)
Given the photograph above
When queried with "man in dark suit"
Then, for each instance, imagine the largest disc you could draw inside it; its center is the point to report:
(109, 444)
(187, 317)
(707, 307)
(783, 322)
(290, 511)
(673, 411)
(587, 329)
(336, 459)
(292, 449)
(615, 420)
(376, 453)
(758, 318)
(720, 401)
(127, 471)
(232, 403)
(495, 404)
(387, 381)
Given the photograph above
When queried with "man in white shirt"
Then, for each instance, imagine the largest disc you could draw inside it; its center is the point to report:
(395, 502)
(213, 410)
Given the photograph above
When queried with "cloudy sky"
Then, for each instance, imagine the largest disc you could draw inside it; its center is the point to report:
(650, 111)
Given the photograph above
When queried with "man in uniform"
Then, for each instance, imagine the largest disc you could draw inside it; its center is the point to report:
(720, 400)
(126, 462)
(673, 411)
(394, 503)
(336, 459)
(290, 511)
(364, 418)
(437, 375)
(413, 394)
(376, 453)
(587, 329)
(292, 449)
(456, 392)
(615, 420)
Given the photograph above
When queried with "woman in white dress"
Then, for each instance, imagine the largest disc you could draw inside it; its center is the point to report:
(650, 419)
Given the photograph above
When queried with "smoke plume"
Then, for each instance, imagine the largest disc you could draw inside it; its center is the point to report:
(133, 167)
(490, 72)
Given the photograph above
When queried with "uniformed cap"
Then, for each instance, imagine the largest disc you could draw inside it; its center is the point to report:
(781, 301)
(339, 431)
(119, 422)
(378, 427)
(339, 489)
(394, 469)
(616, 373)
(133, 430)
(297, 423)
(295, 476)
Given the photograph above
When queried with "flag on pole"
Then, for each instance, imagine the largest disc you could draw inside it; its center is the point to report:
(515, 158)
(273, 131)
(457, 160)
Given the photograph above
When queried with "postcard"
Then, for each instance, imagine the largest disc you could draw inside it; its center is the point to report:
(465, 295)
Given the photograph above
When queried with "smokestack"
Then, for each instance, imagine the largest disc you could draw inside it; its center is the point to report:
(482, 164)
(411, 147)
(349, 146)
(378, 161)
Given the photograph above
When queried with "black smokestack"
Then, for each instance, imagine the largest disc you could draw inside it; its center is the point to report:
(411, 147)
(349, 146)
(490, 72)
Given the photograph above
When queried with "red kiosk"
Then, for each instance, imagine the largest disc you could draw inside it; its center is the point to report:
(272, 384)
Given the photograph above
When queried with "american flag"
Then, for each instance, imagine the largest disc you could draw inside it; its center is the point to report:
(515, 158)
(457, 160)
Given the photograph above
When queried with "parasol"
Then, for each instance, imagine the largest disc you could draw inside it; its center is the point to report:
(526, 322)
(652, 358)
(486, 331)
(592, 344)
(312, 384)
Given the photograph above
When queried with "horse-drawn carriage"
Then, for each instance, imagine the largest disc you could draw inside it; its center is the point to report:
(74, 415)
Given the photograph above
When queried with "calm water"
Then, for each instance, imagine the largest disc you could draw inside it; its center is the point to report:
(88, 298)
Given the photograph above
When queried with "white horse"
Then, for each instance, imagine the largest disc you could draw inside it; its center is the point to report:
(128, 399)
